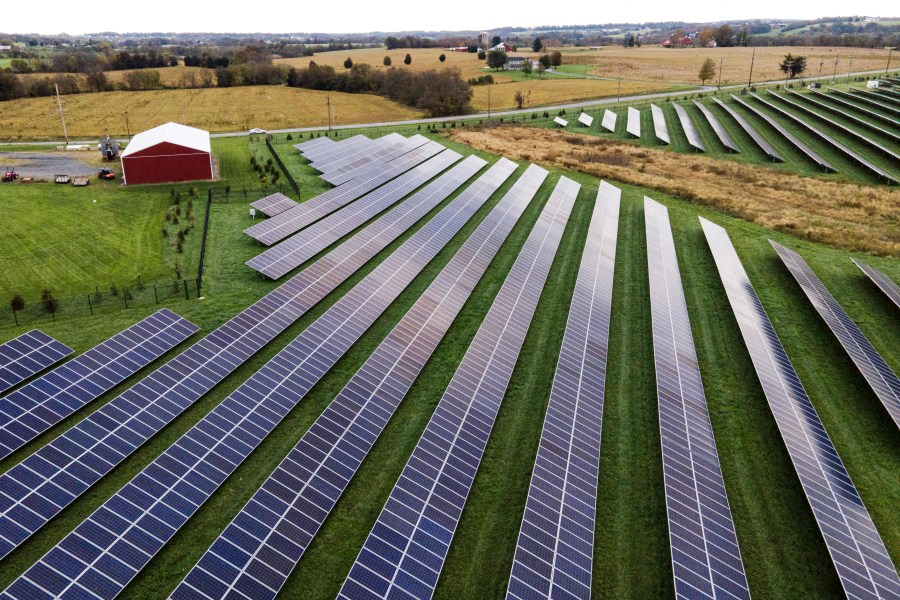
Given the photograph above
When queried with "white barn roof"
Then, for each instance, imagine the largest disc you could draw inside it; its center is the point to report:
(174, 133)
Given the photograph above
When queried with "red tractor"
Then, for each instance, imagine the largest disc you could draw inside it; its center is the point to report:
(10, 175)
(106, 174)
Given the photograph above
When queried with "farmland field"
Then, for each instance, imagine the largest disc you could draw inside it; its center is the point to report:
(213, 109)
(681, 65)
(541, 92)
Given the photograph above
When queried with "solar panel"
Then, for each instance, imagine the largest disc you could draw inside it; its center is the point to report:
(839, 146)
(693, 137)
(313, 143)
(609, 121)
(347, 154)
(790, 137)
(294, 251)
(754, 135)
(586, 119)
(30, 353)
(884, 283)
(34, 408)
(875, 370)
(659, 124)
(406, 548)
(706, 559)
(386, 154)
(560, 121)
(293, 220)
(156, 503)
(555, 548)
(844, 114)
(633, 125)
(35, 490)
(310, 154)
(717, 127)
(331, 451)
(857, 551)
(859, 109)
(876, 99)
(870, 102)
(340, 148)
(887, 94)
(273, 204)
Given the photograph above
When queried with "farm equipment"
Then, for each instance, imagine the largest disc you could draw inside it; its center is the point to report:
(81, 180)
(107, 174)
(10, 175)
(61, 179)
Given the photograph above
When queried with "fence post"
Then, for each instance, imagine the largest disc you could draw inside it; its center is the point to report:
(125, 296)
(186, 296)
(155, 296)
(90, 306)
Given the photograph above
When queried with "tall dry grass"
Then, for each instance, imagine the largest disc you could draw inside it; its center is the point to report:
(847, 215)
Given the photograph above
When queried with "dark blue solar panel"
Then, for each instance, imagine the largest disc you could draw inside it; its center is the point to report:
(168, 491)
(39, 487)
(876, 371)
(884, 283)
(34, 408)
(706, 559)
(414, 530)
(555, 548)
(353, 421)
(30, 353)
(857, 550)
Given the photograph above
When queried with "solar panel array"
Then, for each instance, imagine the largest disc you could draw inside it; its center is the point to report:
(386, 154)
(840, 99)
(291, 221)
(809, 152)
(848, 130)
(30, 353)
(350, 152)
(690, 132)
(633, 125)
(273, 204)
(320, 160)
(839, 146)
(586, 119)
(887, 94)
(884, 283)
(875, 370)
(844, 114)
(156, 503)
(706, 559)
(875, 99)
(555, 548)
(857, 550)
(294, 251)
(33, 409)
(296, 499)
(754, 135)
(659, 124)
(312, 144)
(405, 551)
(609, 120)
(317, 152)
(35, 490)
(717, 127)
(869, 101)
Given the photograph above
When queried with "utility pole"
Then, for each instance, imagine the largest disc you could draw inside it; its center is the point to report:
(619, 88)
(790, 70)
(891, 49)
(849, 69)
(752, 57)
(821, 64)
(489, 104)
(834, 75)
(719, 85)
(62, 115)
(127, 127)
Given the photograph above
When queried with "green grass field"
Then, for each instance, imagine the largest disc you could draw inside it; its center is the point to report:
(783, 551)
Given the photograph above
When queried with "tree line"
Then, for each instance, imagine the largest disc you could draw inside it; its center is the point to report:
(438, 93)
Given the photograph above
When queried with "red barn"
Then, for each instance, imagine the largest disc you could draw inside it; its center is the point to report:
(167, 153)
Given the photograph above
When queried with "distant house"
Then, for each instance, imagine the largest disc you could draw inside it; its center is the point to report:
(5, 48)
(458, 49)
(503, 46)
(666, 44)
(515, 63)
(685, 41)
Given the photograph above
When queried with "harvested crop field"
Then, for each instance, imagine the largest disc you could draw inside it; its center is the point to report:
(214, 109)
(842, 214)
(543, 92)
(681, 65)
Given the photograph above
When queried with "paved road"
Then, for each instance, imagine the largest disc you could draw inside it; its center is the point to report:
(505, 113)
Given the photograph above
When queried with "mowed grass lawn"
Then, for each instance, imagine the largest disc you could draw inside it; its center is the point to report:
(213, 109)
(681, 65)
(781, 545)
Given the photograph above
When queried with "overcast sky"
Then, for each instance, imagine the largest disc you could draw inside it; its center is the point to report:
(347, 16)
